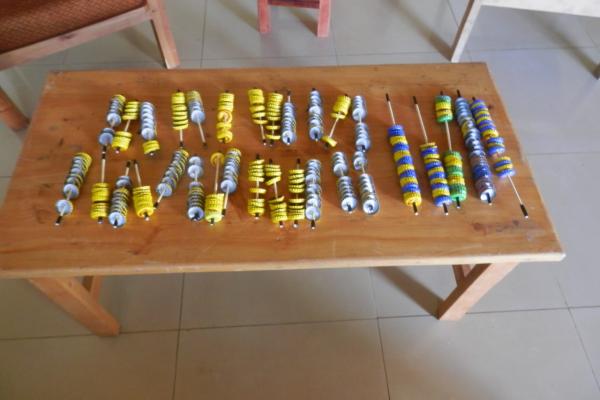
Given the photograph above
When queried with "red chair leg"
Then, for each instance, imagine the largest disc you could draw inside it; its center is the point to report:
(324, 18)
(264, 16)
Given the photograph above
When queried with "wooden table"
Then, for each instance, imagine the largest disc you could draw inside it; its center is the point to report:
(482, 243)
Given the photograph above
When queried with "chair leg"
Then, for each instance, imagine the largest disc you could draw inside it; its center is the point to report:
(324, 18)
(10, 114)
(163, 34)
(597, 72)
(264, 16)
(465, 28)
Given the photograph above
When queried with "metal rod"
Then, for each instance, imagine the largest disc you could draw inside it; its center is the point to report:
(523, 208)
(389, 104)
(137, 172)
(202, 134)
(103, 164)
(448, 136)
(216, 189)
(423, 130)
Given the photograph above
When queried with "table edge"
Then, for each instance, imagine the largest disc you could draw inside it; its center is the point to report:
(277, 265)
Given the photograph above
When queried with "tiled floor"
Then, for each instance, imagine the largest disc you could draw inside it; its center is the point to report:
(344, 334)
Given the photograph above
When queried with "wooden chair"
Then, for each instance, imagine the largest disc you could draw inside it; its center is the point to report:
(31, 29)
(324, 6)
(590, 8)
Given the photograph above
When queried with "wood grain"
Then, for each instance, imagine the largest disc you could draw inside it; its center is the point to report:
(74, 298)
(71, 113)
(473, 287)
(10, 113)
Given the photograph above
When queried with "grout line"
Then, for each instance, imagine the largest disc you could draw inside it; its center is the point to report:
(375, 305)
(384, 53)
(267, 58)
(82, 335)
(587, 33)
(480, 312)
(268, 324)
(203, 32)
(373, 297)
(385, 372)
(583, 307)
(332, 34)
(456, 21)
(258, 325)
(562, 293)
(178, 336)
(587, 356)
(562, 153)
(532, 48)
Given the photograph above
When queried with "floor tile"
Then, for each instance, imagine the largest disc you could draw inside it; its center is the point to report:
(139, 303)
(187, 24)
(587, 321)
(232, 32)
(24, 84)
(130, 45)
(564, 181)
(128, 65)
(592, 27)
(418, 290)
(270, 297)
(557, 82)
(516, 355)
(396, 26)
(269, 62)
(528, 29)
(132, 366)
(339, 360)
(10, 148)
(399, 58)
(144, 302)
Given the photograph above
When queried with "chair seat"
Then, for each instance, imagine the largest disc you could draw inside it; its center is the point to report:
(24, 22)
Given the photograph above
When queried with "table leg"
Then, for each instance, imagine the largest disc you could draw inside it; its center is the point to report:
(471, 285)
(80, 301)
(10, 114)
(465, 28)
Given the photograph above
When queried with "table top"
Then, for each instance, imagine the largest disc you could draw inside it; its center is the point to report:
(71, 114)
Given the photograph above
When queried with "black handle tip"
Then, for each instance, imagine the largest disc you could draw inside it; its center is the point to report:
(524, 210)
